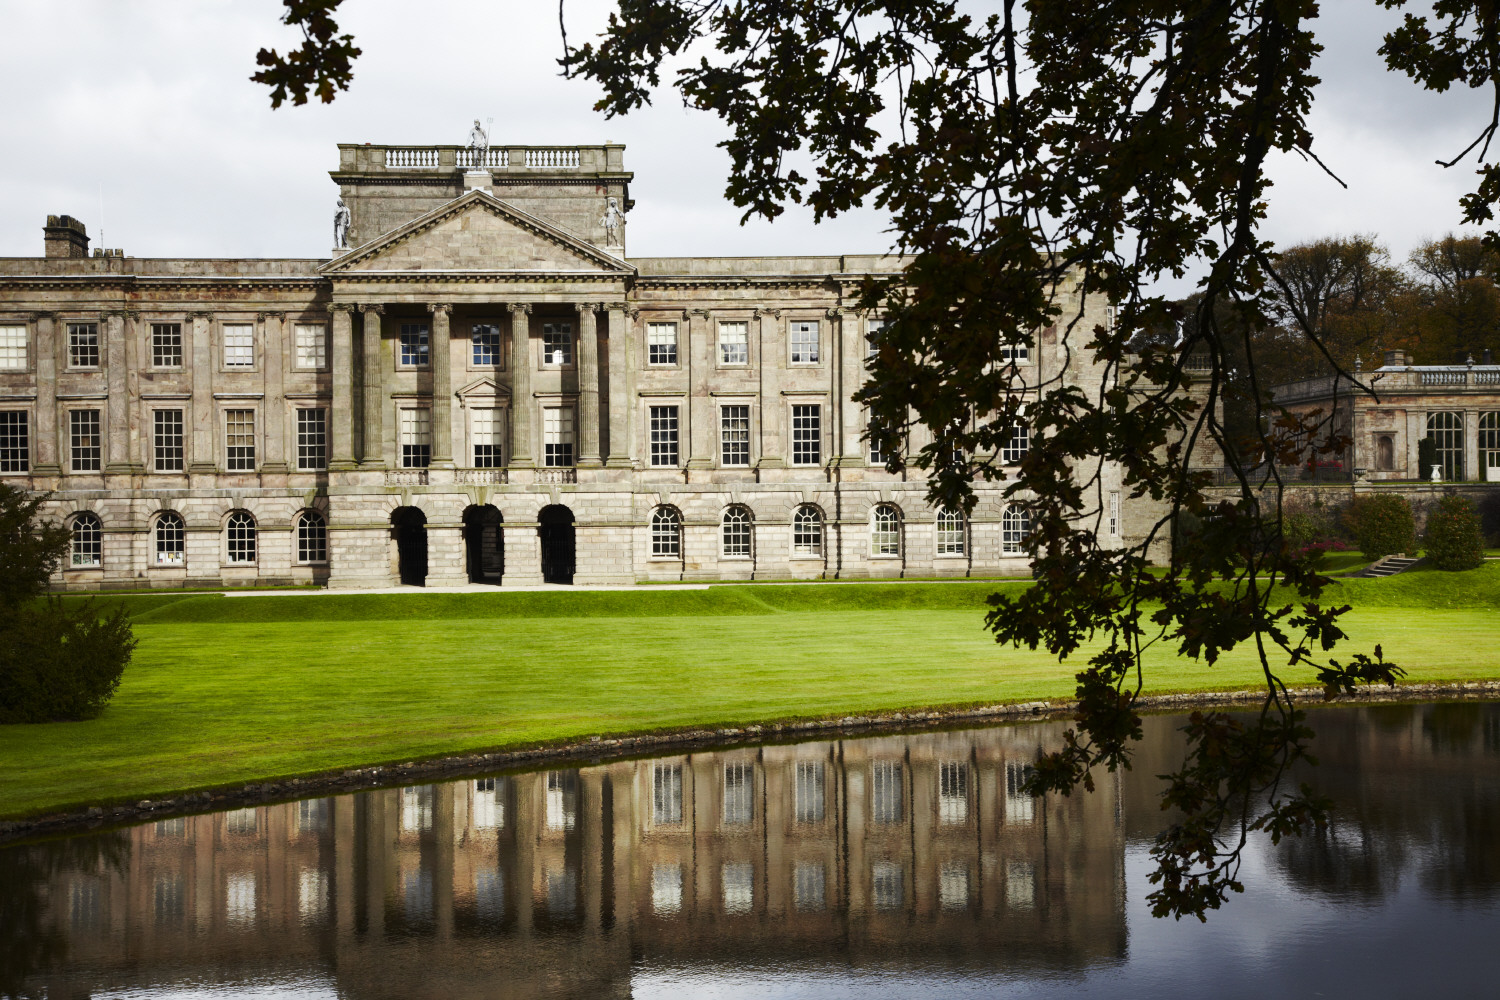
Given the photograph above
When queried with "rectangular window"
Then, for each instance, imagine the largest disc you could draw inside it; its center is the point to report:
(804, 343)
(877, 457)
(312, 345)
(661, 343)
(734, 343)
(239, 346)
(664, 436)
(312, 440)
(13, 348)
(83, 432)
(1018, 353)
(83, 345)
(1016, 445)
(488, 432)
(1114, 515)
(166, 345)
(166, 439)
(734, 435)
(416, 438)
(239, 440)
(414, 345)
(484, 345)
(557, 344)
(15, 441)
(873, 329)
(807, 434)
(557, 437)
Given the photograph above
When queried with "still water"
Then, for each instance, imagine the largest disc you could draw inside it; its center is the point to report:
(894, 866)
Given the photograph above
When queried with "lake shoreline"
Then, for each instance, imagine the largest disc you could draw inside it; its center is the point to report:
(91, 818)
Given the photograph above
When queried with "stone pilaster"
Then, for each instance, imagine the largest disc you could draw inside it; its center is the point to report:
(619, 392)
(273, 356)
(135, 418)
(45, 462)
(701, 363)
(772, 411)
(523, 554)
(588, 387)
(521, 406)
(442, 386)
(342, 412)
(373, 389)
(1472, 468)
(846, 340)
(202, 458)
(116, 433)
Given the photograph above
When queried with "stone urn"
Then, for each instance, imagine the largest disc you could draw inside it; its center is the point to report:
(1437, 473)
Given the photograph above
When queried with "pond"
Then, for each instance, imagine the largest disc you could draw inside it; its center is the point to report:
(898, 865)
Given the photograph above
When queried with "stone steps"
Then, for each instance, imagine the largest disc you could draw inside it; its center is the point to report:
(1388, 566)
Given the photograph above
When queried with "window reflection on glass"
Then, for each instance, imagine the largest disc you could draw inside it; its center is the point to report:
(809, 886)
(562, 800)
(737, 880)
(808, 792)
(666, 889)
(887, 885)
(739, 799)
(953, 793)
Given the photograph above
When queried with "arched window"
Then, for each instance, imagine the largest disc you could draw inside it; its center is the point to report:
(239, 537)
(885, 530)
(169, 537)
(88, 540)
(1489, 442)
(666, 532)
(312, 537)
(807, 531)
(1446, 430)
(737, 531)
(1015, 447)
(950, 532)
(1015, 525)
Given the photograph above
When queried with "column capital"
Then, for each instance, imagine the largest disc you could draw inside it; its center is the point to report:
(440, 307)
(612, 306)
(134, 315)
(520, 308)
(838, 312)
(378, 308)
(702, 313)
(589, 307)
(341, 307)
(774, 313)
(202, 314)
(633, 312)
(280, 317)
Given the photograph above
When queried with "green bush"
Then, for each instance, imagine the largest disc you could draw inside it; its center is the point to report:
(1453, 539)
(1383, 525)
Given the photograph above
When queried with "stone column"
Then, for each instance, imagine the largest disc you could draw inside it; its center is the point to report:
(117, 421)
(273, 374)
(373, 377)
(619, 395)
(1471, 445)
(202, 459)
(772, 410)
(442, 387)
(520, 392)
(136, 417)
(699, 415)
(46, 436)
(342, 373)
(588, 387)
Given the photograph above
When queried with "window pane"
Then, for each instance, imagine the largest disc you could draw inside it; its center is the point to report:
(485, 345)
(739, 794)
(1446, 430)
(167, 440)
(557, 436)
(414, 341)
(240, 541)
(885, 531)
(661, 343)
(557, 344)
(83, 345)
(807, 531)
(88, 541)
(1015, 525)
(239, 346)
(12, 347)
(169, 537)
(737, 532)
(807, 435)
(1016, 445)
(83, 432)
(416, 438)
(664, 436)
(488, 429)
(666, 532)
(804, 338)
(312, 346)
(312, 537)
(239, 440)
(734, 435)
(312, 440)
(734, 343)
(1114, 515)
(15, 441)
(166, 345)
(950, 532)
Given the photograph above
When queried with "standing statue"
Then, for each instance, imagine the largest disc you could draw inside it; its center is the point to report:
(341, 227)
(479, 144)
(613, 222)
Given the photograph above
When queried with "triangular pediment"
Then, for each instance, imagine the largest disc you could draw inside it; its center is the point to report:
(484, 387)
(477, 233)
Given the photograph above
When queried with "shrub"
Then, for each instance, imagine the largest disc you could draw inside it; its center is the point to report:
(1489, 517)
(1453, 540)
(1383, 525)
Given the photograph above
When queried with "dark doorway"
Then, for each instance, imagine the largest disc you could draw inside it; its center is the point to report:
(409, 525)
(558, 551)
(484, 539)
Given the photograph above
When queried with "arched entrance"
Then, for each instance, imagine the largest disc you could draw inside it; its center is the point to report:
(558, 552)
(484, 541)
(409, 527)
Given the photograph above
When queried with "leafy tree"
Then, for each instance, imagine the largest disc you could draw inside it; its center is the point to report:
(54, 663)
(1453, 539)
(1384, 525)
(1458, 308)
(1035, 151)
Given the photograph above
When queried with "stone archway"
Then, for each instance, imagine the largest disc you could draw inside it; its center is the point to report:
(409, 528)
(484, 543)
(559, 545)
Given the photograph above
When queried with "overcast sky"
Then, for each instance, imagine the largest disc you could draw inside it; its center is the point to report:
(147, 104)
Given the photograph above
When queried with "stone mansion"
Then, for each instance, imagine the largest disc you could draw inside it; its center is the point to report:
(478, 385)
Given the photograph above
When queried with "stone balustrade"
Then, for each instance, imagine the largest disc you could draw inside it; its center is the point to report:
(444, 159)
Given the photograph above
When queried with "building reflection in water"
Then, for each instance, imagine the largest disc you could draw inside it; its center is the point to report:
(917, 849)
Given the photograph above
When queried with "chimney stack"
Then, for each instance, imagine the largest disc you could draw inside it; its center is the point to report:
(65, 237)
(1396, 359)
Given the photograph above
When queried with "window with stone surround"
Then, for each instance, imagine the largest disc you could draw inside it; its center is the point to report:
(661, 343)
(312, 537)
(88, 541)
(13, 348)
(807, 434)
(950, 532)
(484, 345)
(876, 456)
(239, 537)
(1017, 353)
(168, 533)
(807, 531)
(83, 439)
(734, 343)
(15, 441)
(885, 530)
(312, 439)
(415, 430)
(804, 341)
(1489, 442)
(239, 345)
(666, 533)
(736, 532)
(557, 436)
(166, 440)
(873, 329)
(83, 345)
(664, 450)
(1446, 431)
(166, 345)
(1016, 445)
(1015, 525)
(415, 345)
(311, 340)
(488, 430)
(239, 440)
(557, 345)
(734, 436)
(1114, 514)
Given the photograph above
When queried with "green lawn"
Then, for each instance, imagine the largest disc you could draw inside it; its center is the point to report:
(228, 690)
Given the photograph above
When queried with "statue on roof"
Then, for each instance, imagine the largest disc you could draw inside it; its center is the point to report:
(341, 219)
(479, 144)
(613, 223)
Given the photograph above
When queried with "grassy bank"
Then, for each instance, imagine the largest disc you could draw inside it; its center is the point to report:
(228, 690)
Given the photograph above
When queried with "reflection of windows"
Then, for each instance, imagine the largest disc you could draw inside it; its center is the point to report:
(416, 438)
(312, 537)
(1015, 525)
(416, 808)
(175, 827)
(664, 436)
(666, 889)
(809, 886)
(808, 792)
(661, 343)
(953, 885)
(737, 879)
(885, 791)
(1019, 804)
(166, 897)
(562, 892)
(239, 440)
(734, 435)
(737, 532)
(169, 532)
(416, 890)
(240, 821)
(414, 345)
(1020, 884)
(239, 899)
(666, 793)
(83, 435)
(887, 885)
(313, 815)
(166, 439)
(88, 541)
(734, 343)
(239, 346)
(557, 344)
(807, 434)
(666, 532)
(739, 797)
(312, 894)
(950, 532)
(488, 433)
(83, 345)
(953, 792)
(489, 808)
(807, 531)
(312, 440)
(83, 904)
(562, 800)
(489, 894)
(557, 437)
(484, 342)
(804, 338)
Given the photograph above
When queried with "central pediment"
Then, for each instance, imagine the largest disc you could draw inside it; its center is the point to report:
(477, 233)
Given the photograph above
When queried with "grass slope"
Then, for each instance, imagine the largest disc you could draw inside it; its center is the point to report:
(227, 690)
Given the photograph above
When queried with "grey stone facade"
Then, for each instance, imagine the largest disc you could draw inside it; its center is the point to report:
(494, 387)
